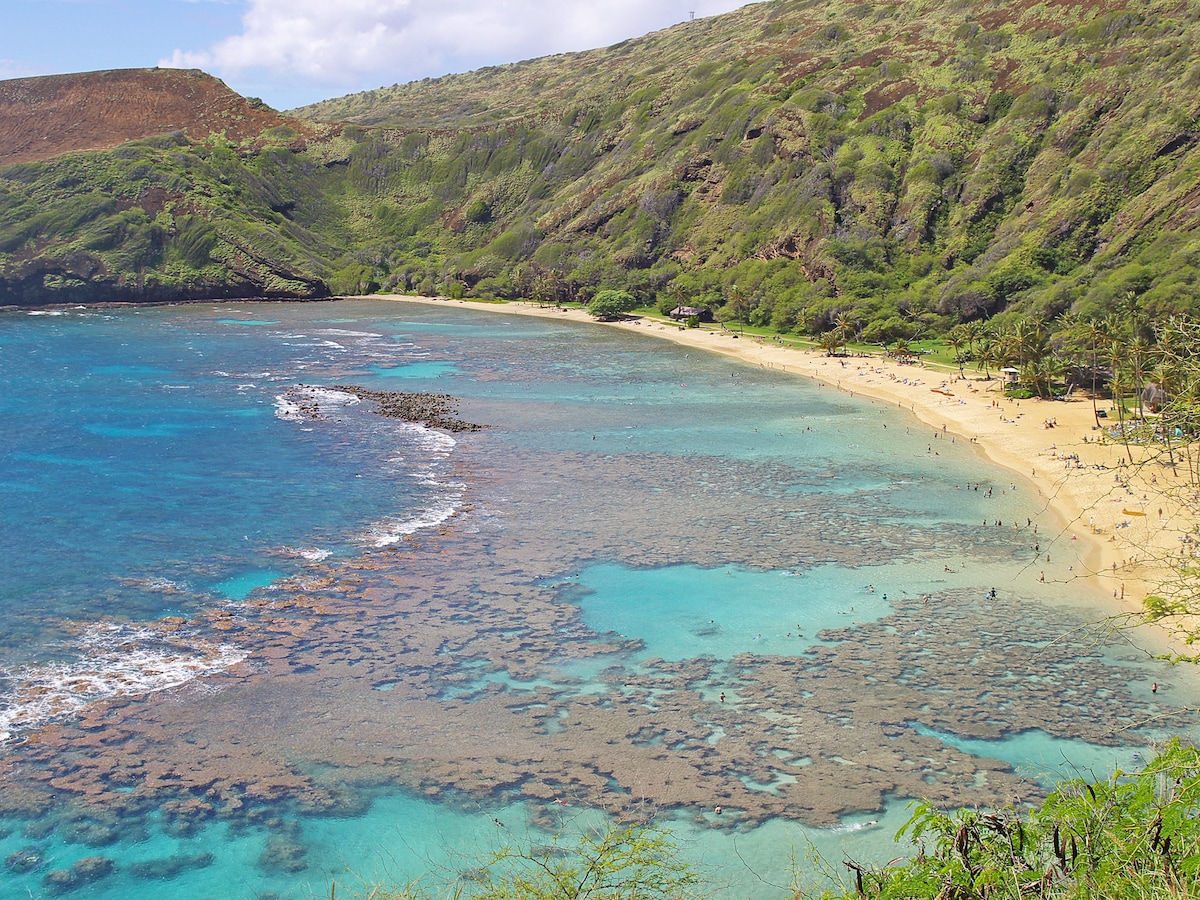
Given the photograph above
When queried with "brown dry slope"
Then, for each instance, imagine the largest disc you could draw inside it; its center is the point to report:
(44, 117)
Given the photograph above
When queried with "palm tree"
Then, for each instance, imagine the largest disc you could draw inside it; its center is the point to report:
(1139, 350)
(957, 340)
(829, 341)
(1183, 412)
(1096, 332)
(1043, 373)
(1138, 346)
(1030, 344)
(679, 295)
(738, 305)
(846, 327)
(1174, 372)
(1116, 353)
(1176, 357)
(1167, 375)
(976, 332)
(546, 287)
(989, 354)
(1064, 344)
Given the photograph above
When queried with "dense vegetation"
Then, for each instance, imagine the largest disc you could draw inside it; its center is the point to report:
(161, 219)
(1019, 178)
(906, 167)
(1133, 836)
(909, 166)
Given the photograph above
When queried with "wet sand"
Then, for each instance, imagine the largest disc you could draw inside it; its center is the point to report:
(1129, 527)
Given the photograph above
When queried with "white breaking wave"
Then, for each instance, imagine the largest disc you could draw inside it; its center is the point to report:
(157, 584)
(388, 532)
(288, 410)
(312, 554)
(850, 827)
(430, 441)
(434, 447)
(429, 448)
(114, 661)
(304, 402)
(343, 332)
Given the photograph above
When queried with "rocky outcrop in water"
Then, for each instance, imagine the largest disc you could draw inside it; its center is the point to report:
(433, 410)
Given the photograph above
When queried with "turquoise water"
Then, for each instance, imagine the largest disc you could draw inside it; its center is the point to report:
(422, 370)
(144, 461)
(239, 587)
(681, 612)
(267, 640)
(399, 836)
(1050, 759)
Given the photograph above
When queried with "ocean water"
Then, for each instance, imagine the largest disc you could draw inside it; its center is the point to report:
(257, 639)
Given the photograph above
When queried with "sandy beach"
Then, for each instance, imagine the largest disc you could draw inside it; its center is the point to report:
(1122, 521)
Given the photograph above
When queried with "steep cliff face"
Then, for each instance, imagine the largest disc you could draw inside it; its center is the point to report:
(79, 277)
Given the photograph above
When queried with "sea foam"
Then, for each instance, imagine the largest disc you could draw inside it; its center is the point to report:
(429, 448)
(433, 448)
(312, 554)
(388, 532)
(344, 332)
(304, 402)
(112, 661)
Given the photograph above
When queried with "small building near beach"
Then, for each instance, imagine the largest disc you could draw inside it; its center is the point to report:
(1154, 397)
(680, 313)
(1012, 375)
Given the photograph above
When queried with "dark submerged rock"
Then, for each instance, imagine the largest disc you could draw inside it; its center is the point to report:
(92, 868)
(433, 410)
(83, 872)
(24, 860)
(284, 854)
(170, 867)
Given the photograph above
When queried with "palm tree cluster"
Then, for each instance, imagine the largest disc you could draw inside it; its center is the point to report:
(1148, 372)
(845, 329)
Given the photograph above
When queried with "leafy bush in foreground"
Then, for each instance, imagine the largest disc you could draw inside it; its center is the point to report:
(623, 863)
(1131, 836)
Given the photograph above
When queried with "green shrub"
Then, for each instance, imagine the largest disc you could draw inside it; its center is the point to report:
(610, 304)
(1134, 836)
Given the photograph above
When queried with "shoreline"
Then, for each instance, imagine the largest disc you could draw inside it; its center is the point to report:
(1121, 554)
(1115, 519)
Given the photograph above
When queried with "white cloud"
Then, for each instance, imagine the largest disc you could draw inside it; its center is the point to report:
(356, 43)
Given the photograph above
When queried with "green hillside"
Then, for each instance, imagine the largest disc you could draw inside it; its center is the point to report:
(791, 164)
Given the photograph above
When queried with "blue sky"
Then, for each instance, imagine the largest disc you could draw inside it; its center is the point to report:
(292, 52)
